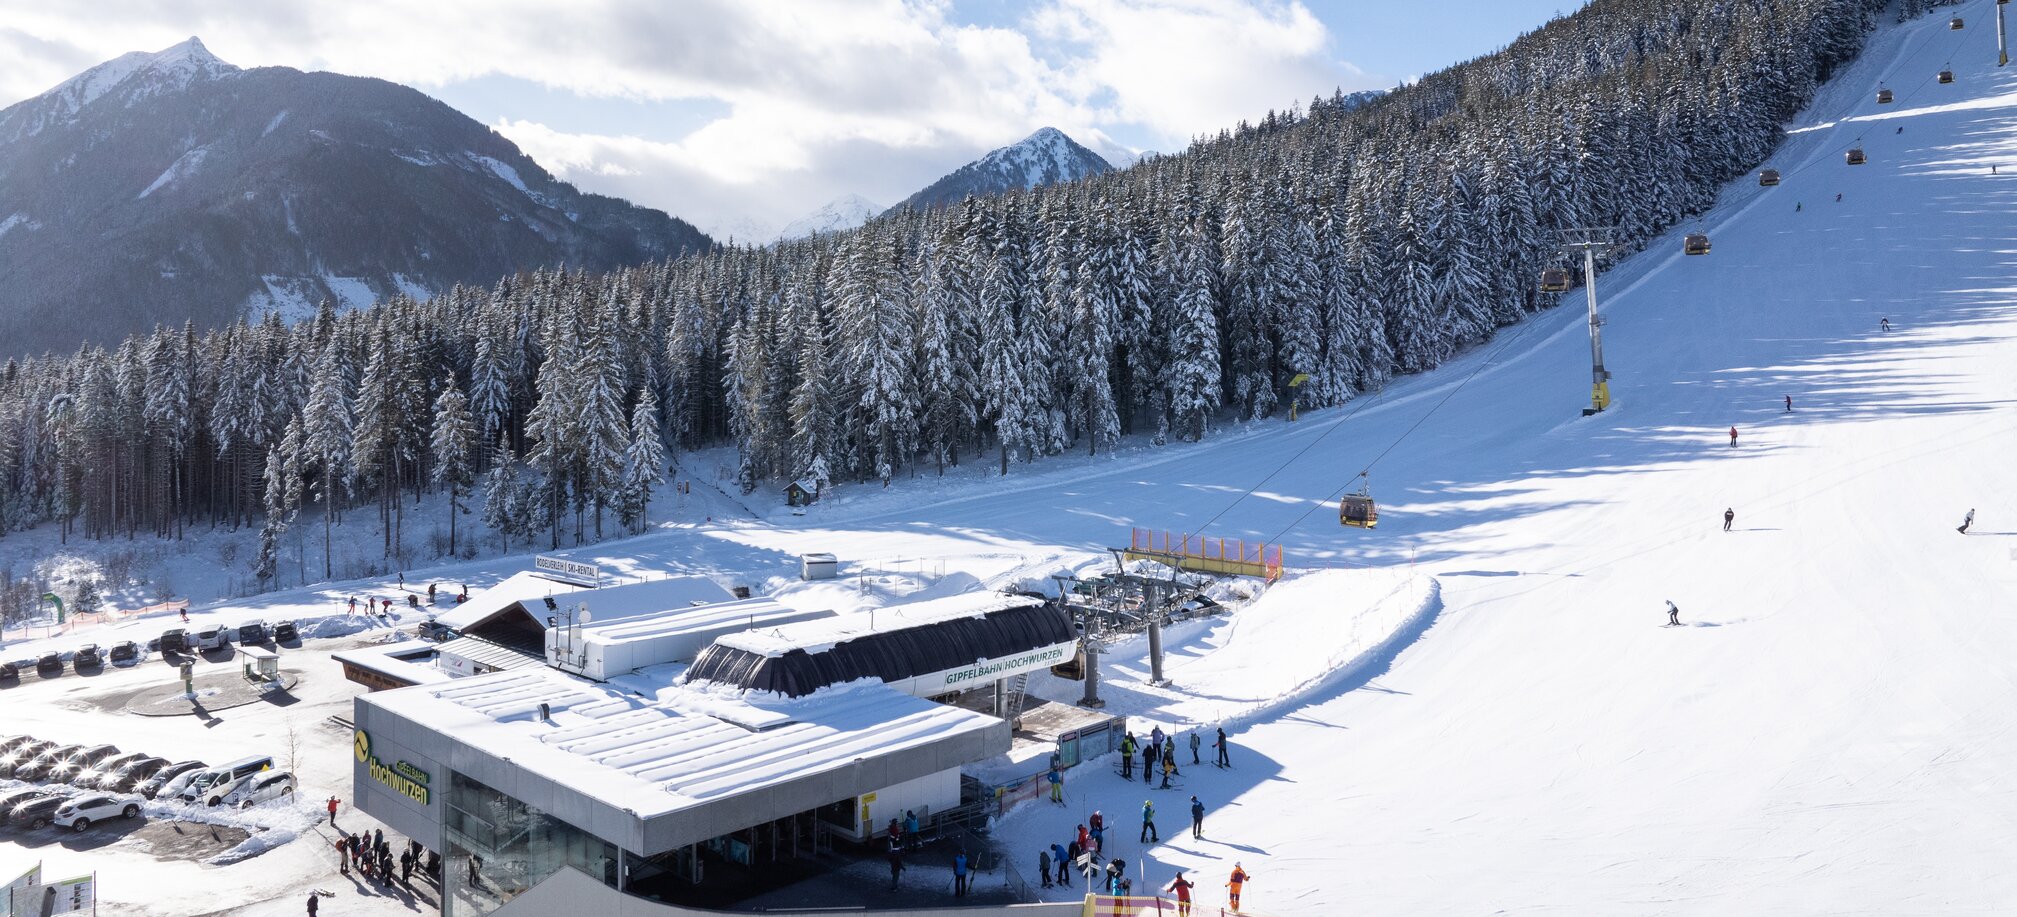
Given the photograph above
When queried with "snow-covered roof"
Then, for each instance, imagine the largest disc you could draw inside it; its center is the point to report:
(822, 634)
(490, 654)
(744, 613)
(408, 661)
(605, 603)
(719, 760)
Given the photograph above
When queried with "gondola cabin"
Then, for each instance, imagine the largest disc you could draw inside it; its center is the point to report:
(1554, 280)
(1359, 511)
(1768, 178)
(1946, 76)
(1956, 24)
(1856, 157)
(1883, 96)
(1695, 244)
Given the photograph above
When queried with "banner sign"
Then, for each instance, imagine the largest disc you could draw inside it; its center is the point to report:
(32, 877)
(568, 569)
(70, 896)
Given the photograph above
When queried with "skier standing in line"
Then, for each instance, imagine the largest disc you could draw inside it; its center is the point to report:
(1239, 878)
(1967, 521)
(1197, 818)
(1044, 866)
(1194, 745)
(1098, 832)
(1148, 763)
(1182, 888)
(1057, 786)
(1128, 756)
(1673, 614)
(1169, 768)
(1729, 516)
(1149, 823)
(1224, 760)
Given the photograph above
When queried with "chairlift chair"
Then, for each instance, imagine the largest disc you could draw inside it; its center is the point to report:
(1695, 244)
(1768, 178)
(1554, 280)
(1855, 157)
(1358, 509)
(1883, 96)
(1946, 76)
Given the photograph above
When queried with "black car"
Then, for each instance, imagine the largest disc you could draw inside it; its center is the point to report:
(86, 655)
(124, 652)
(153, 785)
(97, 776)
(284, 632)
(174, 640)
(39, 766)
(11, 798)
(126, 778)
(14, 758)
(49, 664)
(251, 633)
(81, 763)
(35, 814)
(13, 742)
(10, 671)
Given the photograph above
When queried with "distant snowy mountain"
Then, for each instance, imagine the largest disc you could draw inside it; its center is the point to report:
(159, 188)
(845, 212)
(1043, 158)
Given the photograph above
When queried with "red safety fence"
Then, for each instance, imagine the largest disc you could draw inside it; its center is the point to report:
(1212, 555)
(1138, 906)
(108, 616)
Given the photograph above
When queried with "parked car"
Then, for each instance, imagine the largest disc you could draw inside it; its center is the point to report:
(126, 651)
(14, 758)
(78, 814)
(86, 655)
(9, 799)
(170, 781)
(174, 640)
(49, 664)
(260, 788)
(89, 778)
(209, 638)
(128, 778)
(250, 633)
(434, 630)
(211, 786)
(11, 669)
(80, 762)
(38, 767)
(13, 742)
(36, 813)
(284, 632)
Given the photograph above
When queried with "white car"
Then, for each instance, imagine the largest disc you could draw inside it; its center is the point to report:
(209, 638)
(262, 788)
(79, 813)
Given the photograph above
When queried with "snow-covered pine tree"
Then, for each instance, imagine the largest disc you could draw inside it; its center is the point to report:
(643, 463)
(454, 447)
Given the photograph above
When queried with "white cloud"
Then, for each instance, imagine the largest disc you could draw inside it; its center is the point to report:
(820, 97)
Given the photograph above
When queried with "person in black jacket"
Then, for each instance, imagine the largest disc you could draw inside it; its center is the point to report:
(1224, 760)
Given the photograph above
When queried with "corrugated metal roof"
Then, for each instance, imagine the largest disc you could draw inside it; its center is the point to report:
(490, 655)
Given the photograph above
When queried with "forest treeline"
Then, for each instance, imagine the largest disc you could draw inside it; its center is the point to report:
(1349, 245)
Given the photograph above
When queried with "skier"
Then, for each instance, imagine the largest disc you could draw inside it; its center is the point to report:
(1156, 740)
(959, 874)
(1733, 437)
(185, 615)
(1182, 888)
(1148, 762)
(1063, 858)
(1117, 880)
(1149, 823)
(1044, 866)
(1884, 324)
(1967, 521)
(1098, 831)
(353, 604)
(895, 865)
(1729, 516)
(1796, 206)
(1197, 818)
(1789, 404)
(1233, 884)
(1224, 760)
(1673, 614)
(1838, 197)
(1128, 756)
(1169, 769)
(1057, 786)
(1194, 746)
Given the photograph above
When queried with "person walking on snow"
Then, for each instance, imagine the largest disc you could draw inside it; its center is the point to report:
(1729, 516)
(312, 904)
(1733, 437)
(1239, 878)
(1220, 744)
(1673, 614)
(1194, 746)
(1181, 887)
(895, 865)
(1197, 818)
(1967, 521)
(332, 811)
(1789, 404)
(1149, 823)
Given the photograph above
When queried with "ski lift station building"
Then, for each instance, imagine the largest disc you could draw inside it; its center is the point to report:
(644, 771)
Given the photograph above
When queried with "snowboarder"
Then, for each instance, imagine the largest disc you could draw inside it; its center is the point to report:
(1057, 781)
(1148, 762)
(1063, 858)
(1197, 818)
(1181, 887)
(959, 874)
(895, 865)
(1233, 884)
(1044, 866)
(1169, 769)
(1789, 404)
(1220, 744)
(1673, 614)
(332, 811)
(185, 615)
(1733, 437)
(1194, 746)
(1149, 823)
(1128, 756)
(1884, 324)
(1729, 516)
(1967, 521)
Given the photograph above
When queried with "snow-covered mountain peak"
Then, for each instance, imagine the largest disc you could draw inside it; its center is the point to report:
(844, 212)
(1045, 157)
(138, 75)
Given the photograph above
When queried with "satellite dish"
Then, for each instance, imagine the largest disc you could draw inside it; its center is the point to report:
(584, 615)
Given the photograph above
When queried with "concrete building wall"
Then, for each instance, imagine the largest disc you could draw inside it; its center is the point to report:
(929, 793)
(391, 739)
(571, 891)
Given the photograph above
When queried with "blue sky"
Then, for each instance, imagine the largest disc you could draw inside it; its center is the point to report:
(741, 115)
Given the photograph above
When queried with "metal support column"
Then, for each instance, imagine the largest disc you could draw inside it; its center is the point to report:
(2002, 50)
(1588, 243)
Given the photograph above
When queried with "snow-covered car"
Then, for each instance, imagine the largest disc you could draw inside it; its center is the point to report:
(86, 655)
(170, 781)
(79, 813)
(285, 632)
(264, 787)
(125, 651)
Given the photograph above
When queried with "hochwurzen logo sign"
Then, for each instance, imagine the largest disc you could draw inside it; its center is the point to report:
(404, 778)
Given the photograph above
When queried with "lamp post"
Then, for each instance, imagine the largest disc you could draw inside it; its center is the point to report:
(1589, 242)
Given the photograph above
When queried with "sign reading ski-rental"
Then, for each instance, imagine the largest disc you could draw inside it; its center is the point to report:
(587, 574)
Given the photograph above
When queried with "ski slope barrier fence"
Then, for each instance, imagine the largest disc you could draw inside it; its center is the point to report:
(571, 891)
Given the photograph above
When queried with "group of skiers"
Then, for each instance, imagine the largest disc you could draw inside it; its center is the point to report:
(1162, 749)
(371, 855)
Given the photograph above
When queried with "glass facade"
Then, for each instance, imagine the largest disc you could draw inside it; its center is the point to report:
(498, 847)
